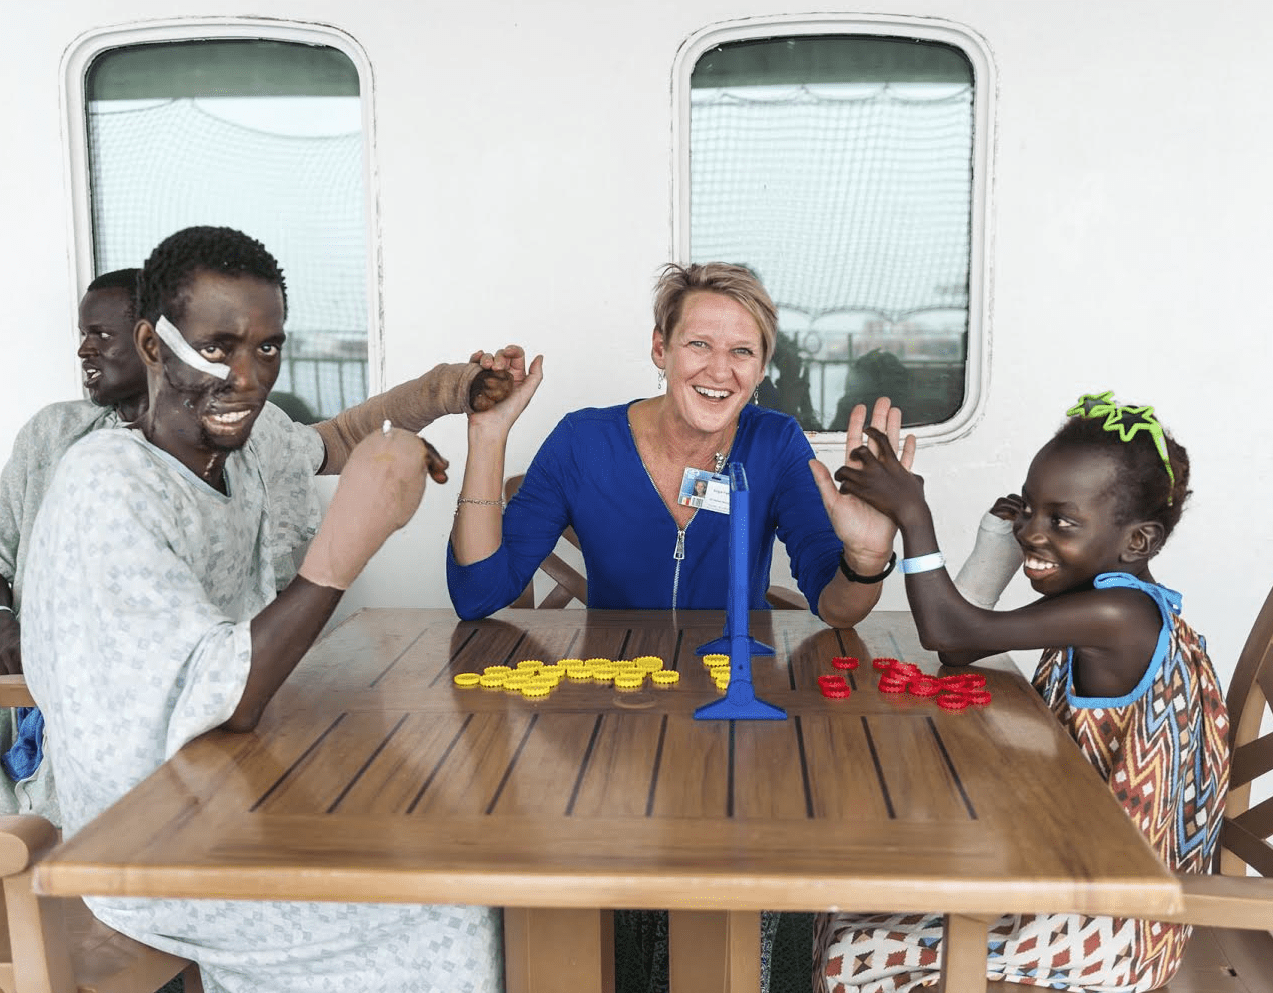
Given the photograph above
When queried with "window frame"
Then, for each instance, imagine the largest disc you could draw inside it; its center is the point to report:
(980, 269)
(79, 57)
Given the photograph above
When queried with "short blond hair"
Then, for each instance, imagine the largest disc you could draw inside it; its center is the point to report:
(740, 284)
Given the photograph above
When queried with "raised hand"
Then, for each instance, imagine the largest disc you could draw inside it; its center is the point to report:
(877, 477)
(863, 528)
(509, 387)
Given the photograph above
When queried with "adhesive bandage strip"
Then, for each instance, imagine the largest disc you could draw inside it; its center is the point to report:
(171, 337)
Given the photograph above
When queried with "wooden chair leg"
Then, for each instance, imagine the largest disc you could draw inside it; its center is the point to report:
(964, 954)
(38, 929)
(547, 950)
(714, 951)
(192, 978)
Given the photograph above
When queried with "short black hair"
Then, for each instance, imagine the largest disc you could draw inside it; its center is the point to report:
(119, 279)
(165, 279)
(1144, 490)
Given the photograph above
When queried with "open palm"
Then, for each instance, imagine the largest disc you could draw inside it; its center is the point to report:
(857, 524)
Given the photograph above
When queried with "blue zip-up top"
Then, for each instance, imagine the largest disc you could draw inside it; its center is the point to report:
(589, 475)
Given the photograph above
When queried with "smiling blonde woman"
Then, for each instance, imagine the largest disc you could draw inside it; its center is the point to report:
(615, 474)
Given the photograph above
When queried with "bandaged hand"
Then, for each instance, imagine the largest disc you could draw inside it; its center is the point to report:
(996, 555)
(379, 489)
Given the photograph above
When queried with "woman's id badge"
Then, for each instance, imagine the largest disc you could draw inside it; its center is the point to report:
(704, 490)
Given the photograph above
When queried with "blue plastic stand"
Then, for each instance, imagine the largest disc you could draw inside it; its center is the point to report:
(739, 702)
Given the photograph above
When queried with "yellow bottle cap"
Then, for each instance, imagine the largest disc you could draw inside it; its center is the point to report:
(467, 678)
(628, 682)
(530, 664)
(491, 669)
(492, 679)
(665, 677)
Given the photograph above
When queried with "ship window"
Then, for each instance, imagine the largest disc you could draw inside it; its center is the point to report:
(256, 133)
(845, 166)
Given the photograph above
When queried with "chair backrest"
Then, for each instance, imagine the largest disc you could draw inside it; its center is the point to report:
(570, 583)
(14, 692)
(1245, 834)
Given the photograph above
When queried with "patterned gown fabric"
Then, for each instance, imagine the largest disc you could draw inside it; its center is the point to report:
(142, 585)
(1163, 751)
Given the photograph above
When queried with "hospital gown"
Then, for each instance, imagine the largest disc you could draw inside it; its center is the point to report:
(141, 586)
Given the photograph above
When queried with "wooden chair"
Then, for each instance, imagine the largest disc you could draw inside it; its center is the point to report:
(571, 585)
(52, 945)
(1232, 949)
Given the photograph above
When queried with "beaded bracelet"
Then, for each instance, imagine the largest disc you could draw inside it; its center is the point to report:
(481, 503)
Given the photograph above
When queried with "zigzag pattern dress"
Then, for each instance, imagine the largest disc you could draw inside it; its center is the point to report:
(1163, 750)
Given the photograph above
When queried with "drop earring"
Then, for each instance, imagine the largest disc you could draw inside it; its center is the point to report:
(662, 378)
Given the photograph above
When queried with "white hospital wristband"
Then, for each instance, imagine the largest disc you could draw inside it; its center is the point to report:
(923, 563)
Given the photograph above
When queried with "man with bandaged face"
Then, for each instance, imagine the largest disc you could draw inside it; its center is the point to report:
(151, 613)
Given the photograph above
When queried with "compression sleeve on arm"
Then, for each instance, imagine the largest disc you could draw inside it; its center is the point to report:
(412, 405)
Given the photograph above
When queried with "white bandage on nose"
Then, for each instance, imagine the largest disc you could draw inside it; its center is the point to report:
(181, 348)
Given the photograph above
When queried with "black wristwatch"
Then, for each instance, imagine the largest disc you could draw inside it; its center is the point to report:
(853, 577)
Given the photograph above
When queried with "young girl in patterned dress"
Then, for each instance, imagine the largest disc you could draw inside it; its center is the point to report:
(1130, 681)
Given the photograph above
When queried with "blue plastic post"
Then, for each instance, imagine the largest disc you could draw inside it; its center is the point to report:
(739, 702)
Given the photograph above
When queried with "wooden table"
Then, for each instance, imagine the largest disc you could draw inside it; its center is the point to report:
(374, 777)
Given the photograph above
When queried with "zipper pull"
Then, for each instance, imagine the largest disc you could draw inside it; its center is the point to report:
(680, 545)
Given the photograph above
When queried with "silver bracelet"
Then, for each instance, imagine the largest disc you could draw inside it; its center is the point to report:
(481, 503)
(5, 606)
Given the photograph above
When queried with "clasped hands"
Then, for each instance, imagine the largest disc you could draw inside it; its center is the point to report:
(867, 493)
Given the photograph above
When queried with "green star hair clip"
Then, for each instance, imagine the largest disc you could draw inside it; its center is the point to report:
(1093, 405)
(1125, 421)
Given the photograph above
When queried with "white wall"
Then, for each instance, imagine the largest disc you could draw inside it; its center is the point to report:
(524, 179)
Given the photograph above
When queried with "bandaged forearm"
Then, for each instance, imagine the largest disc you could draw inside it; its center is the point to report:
(413, 405)
(995, 559)
(378, 492)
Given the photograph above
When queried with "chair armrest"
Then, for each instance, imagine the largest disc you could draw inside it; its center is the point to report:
(23, 839)
(14, 692)
(1244, 902)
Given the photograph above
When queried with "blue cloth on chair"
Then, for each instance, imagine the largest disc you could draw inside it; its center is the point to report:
(27, 751)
